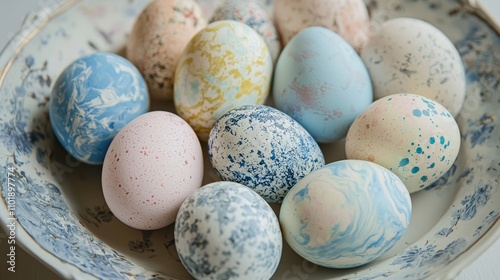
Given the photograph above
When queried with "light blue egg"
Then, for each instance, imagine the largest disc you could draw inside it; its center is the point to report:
(345, 214)
(93, 98)
(322, 83)
(264, 149)
(226, 231)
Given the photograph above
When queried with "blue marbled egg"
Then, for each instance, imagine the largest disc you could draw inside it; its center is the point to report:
(93, 98)
(345, 214)
(264, 149)
(226, 231)
(322, 83)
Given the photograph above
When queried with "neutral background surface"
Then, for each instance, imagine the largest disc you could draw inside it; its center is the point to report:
(12, 12)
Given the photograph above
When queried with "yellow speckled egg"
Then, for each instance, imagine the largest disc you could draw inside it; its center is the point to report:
(226, 65)
(159, 36)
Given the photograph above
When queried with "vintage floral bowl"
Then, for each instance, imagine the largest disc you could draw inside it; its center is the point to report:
(63, 220)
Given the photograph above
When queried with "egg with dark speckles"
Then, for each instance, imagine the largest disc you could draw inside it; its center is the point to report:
(412, 136)
(263, 149)
(413, 56)
(153, 164)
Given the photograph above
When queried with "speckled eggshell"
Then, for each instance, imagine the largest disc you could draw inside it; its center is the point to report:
(153, 164)
(345, 214)
(226, 65)
(263, 149)
(410, 55)
(348, 18)
(322, 83)
(227, 231)
(413, 136)
(92, 99)
(158, 38)
(255, 15)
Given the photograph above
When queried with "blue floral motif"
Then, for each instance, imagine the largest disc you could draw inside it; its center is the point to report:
(443, 180)
(472, 202)
(481, 130)
(491, 218)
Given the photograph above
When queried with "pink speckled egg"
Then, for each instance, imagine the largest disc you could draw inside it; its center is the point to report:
(348, 18)
(158, 39)
(153, 164)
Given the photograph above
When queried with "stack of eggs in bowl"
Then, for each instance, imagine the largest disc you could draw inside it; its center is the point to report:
(391, 96)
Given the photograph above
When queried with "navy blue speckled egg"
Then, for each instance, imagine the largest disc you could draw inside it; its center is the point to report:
(93, 98)
(264, 149)
(226, 231)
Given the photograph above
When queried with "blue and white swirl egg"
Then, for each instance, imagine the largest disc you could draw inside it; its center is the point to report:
(226, 231)
(345, 214)
(93, 98)
(264, 149)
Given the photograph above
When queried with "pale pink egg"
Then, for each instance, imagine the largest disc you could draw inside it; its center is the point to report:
(153, 164)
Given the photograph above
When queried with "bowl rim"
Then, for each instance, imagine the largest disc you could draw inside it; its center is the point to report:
(35, 21)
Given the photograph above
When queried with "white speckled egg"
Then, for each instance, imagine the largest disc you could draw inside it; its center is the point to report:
(413, 136)
(348, 18)
(345, 214)
(160, 34)
(151, 166)
(413, 56)
(255, 15)
(263, 149)
(227, 231)
(322, 83)
(224, 66)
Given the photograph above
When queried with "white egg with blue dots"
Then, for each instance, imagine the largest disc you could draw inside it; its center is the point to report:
(412, 136)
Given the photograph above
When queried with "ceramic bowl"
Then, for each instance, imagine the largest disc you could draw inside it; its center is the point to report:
(61, 214)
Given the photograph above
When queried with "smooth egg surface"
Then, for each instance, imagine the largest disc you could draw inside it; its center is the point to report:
(413, 136)
(345, 214)
(93, 98)
(224, 66)
(263, 149)
(153, 164)
(412, 56)
(322, 83)
(227, 231)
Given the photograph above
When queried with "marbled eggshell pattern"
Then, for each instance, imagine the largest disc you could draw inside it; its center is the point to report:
(263, 149)
(413, 56)
(345, 214)
(160, 34)
(322, 83)
(413, 136)
(255, 15)
(93, 98)
(227, 231)
(226, 65)
(348, 18)
(153, 164)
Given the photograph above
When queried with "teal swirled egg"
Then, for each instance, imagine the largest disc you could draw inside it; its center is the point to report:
(322, 83)
(93, 98)
(263, 149)
(227, 231)
(413, 136)
(345, 214)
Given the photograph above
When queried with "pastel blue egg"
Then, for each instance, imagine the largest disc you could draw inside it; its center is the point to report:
(264, 149)
(345, 214)
(226, 231)
(322, 83)
(93, 98)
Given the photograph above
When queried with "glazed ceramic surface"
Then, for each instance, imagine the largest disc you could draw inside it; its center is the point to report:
(63, 218)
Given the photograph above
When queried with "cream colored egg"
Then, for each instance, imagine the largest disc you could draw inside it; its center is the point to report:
(158, 39)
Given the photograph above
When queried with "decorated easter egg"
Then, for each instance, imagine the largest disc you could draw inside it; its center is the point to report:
(160, 34)
(263, 149)
(93, 98)
(413, 56)
(227, 231)
(413, 136)
(153, 164)
(345, 214)
(321, 82)
(224, 66)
